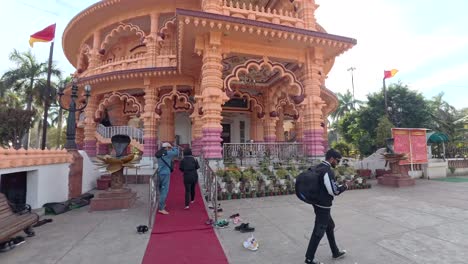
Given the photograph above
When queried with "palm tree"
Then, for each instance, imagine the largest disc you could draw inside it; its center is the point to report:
(26, 77)
(346, 105)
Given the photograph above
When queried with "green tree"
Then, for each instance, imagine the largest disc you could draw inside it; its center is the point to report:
(343, 147)
(383, 131)
(407, 108)
(14, 123)
(444, 117)
(346, 104)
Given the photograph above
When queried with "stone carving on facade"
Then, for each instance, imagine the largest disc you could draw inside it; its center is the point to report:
(128, 102)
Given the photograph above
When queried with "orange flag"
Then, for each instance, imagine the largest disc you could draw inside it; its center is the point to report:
(390, 74)
(45, 35)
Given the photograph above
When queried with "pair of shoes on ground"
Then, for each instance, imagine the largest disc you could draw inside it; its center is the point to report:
(251, 244)
(244, 228)
(341, 254)
(12, 243)
(223, 223)
(163, 211)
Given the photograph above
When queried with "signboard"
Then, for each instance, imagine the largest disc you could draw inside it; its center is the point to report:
(411, 141)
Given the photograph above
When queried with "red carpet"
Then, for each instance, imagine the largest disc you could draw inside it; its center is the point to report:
(182, 236)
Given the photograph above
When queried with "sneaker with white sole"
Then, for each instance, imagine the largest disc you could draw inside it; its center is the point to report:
(341, 254)
(313, 261)
(251, 244)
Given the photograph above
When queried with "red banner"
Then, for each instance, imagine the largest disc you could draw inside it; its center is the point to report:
(412, 142)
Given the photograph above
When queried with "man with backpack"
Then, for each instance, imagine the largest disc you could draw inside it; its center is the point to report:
(165, 156)
(318, 187)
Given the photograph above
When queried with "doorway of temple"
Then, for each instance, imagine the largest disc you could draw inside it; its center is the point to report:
(226, 133)
(13, 185)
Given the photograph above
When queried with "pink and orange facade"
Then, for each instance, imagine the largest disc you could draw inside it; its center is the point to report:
(203, 72)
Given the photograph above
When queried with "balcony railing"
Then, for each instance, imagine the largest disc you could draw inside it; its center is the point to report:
(255, 12)
(249, 154)
(132, 132)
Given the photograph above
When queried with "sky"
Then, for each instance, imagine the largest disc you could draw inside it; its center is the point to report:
(426, 40)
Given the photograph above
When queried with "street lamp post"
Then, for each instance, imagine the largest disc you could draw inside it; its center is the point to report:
(352, 69)
(72, 109)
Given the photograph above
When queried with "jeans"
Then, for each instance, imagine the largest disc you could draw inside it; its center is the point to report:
(164, 180)
(189, 193)
(323, 224)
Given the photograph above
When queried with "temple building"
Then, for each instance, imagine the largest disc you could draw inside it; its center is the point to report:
(203, 73)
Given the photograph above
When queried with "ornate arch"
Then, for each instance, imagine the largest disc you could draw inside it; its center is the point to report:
(130, 102)
(253, 101)
(283, 105)
(122, 27)
(165, 29)
(297, 93)
(180, 101)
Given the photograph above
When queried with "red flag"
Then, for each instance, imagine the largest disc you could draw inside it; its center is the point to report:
(45, 35)
(390, 74)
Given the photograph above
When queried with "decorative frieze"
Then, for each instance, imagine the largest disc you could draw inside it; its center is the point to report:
(12, 158)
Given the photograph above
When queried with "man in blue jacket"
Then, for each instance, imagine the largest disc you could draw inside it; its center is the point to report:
(164, 173)
(328, 189)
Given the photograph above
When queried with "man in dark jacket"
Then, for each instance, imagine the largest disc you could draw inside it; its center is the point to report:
(328, 189)
(189, 166)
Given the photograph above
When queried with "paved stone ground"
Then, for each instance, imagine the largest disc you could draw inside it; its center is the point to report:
(421, 224)
(82, 237)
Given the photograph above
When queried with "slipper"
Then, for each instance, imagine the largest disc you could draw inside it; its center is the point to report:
(243, 225)
(237, 220)
(251, 244)
(234, 215)
(209, 222)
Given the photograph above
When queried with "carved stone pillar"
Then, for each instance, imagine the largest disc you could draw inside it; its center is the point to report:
(90, 126)
(150, 120)
(196, 124)
(280, 128)
(269, 129)
(166, 126)
(95, 56)
(306, 10)
(152, 41)
(313, 132)
(79, 138)
(212, 97)
(253, 125)
(212, 6)
(102, 149)
(259, 136)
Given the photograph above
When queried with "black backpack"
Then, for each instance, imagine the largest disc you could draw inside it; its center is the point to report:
(307, 185)
(161, 152)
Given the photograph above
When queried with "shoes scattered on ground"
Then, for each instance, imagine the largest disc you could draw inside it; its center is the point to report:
(42, 222)
(18, 240)
(341, 254)
(244, 228)
(251, 244)
(223, 223)
(164, 212)
(209, 222)
(141, 229)
(236, 220)
(234, 215)
(314, 261)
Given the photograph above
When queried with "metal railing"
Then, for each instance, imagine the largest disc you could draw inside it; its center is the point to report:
(132, 132)
(153, 197)
(210, 185)
(251, 153)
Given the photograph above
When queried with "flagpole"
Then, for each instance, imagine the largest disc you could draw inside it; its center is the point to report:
(46, 101)
(385, 95)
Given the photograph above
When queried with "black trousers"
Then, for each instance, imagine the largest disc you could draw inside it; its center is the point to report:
(323, 224)
(189, 192)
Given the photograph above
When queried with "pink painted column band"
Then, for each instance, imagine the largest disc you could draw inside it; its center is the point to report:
(150, 147)
(102, 149)
(313, 141)
(79, 146)
(270, 138)
(212, 143)
(90, 147)
(197, 146)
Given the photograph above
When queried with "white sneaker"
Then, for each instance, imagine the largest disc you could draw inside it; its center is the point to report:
(186, 207)
(251, 244)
